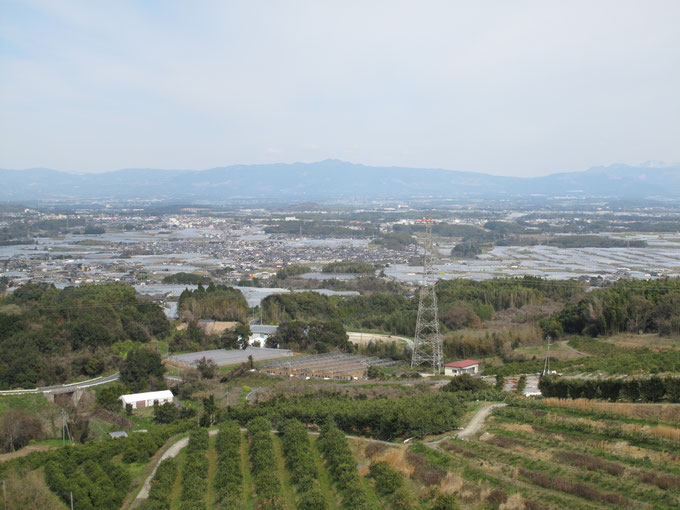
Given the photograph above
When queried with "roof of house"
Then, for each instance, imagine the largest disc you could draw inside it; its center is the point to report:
(149, 395)
(120, 433)
(462, 364)
(265, 329)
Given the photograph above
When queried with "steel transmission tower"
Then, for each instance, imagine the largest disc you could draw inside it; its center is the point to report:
(427, 346)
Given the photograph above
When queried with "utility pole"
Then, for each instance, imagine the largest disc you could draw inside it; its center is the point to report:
(427, 345)
(4, 494)
(71, 500)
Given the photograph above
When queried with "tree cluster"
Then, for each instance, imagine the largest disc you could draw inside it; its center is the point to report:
(317, 336)
(187, 279)
(217, 302)
(635, 306)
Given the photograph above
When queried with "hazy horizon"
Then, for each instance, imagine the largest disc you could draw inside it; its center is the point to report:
(524, 89)
(644, 164)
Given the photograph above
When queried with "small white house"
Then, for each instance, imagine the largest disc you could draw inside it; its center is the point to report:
(260, 333)
(467, 366)
(148, 399)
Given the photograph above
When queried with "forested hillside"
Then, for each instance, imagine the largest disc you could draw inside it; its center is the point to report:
(50, 336)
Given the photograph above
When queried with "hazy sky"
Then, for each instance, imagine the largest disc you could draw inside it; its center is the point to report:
(505, 87)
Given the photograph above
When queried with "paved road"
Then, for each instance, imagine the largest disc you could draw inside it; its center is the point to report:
(171, 452)
(65, 387)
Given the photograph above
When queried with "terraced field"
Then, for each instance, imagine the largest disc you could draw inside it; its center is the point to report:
(557, 457)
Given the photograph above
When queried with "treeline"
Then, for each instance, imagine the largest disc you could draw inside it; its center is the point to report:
(570, 241)
(462, 303)
(187, 279)
(318, 336)
(343, 467)
(292, 270)
(652, 389)
(217, 302)
(395, 240)
(263, 465)
(315, 228)
(300, 462)
(382, 417)
(348, 267)
(49, 335)
(228, 477)
(650, 306)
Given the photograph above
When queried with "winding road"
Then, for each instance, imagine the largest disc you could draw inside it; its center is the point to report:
(65, 387)
(171, 452)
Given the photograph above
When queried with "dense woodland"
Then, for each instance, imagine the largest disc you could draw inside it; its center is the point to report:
(50, 336)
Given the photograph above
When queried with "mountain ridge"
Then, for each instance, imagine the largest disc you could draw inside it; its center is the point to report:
(332, 179)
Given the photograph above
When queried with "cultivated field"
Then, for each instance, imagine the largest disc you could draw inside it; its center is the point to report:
(564, 456)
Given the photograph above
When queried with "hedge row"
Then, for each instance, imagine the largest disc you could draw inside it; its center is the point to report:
(652, 389)
(264, 467)
(228, 478)
(343, 467)
(161, 486)
(195, 471)
(300, 461)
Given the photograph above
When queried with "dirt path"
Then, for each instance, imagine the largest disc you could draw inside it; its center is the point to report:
(477, 421)
(473, 427)
(25, 451)
(171, 452)
(570, 348)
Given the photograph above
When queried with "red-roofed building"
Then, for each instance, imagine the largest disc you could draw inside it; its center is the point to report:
(466, 366)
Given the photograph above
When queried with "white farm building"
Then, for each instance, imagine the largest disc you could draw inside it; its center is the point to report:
(148, 399)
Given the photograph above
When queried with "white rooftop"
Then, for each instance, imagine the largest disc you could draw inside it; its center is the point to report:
(149, 395)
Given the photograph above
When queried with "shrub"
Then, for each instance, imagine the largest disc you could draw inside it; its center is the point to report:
(387, 479)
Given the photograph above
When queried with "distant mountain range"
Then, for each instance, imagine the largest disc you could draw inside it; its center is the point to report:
(331, 179)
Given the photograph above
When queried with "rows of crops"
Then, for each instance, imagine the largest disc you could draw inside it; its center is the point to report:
(265, 477)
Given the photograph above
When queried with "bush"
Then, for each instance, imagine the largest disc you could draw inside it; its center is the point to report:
(387, 479)
(466, 382)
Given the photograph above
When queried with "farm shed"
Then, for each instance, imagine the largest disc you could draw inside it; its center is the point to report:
(148, 399)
